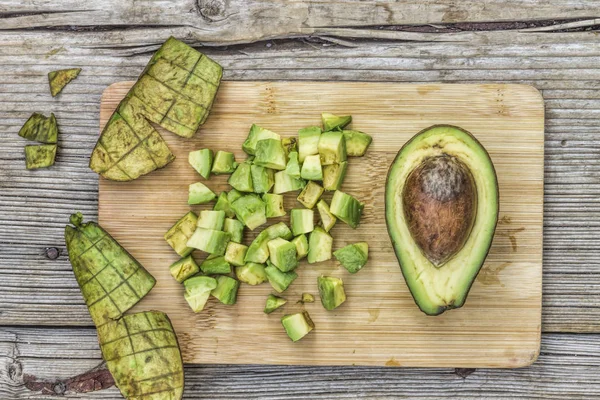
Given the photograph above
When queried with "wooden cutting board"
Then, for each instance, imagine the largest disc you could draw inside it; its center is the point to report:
(379, 324)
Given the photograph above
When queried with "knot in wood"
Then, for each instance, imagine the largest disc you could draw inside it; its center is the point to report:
(211, 10)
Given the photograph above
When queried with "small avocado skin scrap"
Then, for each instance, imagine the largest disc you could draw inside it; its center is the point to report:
(176, 90)
(142, 354)
(111, 280)
(61, 78)
(40, 128)
(40, 156)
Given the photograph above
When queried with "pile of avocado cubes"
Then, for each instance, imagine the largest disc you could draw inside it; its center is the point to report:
(281, 165)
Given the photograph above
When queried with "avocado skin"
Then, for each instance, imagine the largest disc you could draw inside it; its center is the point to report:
(440, 309)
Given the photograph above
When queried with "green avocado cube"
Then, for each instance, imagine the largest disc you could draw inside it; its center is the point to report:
(353, 257)
(332, 148)
(278, 279)
(274, 205)
(357, 143)
(179, 234)
(197, 291)
(241, 179)
(333, 175)
(290, 144)
(257, 133)
(332, 122)
(233, 195)
(251, 273)
(308, 142)
(301, 221)
(258, 251)
(226, 290)
(328, 220)
(199, 193)
(184, 268)
(273, 303)
(214, 264)
(222, 204)
(201, 161)
(270, 154)
(320, 244)
(297, 325)
(283, 254)
(346, 208)
(209, 240)
(235, 254)
(262, 178)
(285, 183)
(311, 168)
(235, 228)
(331, 291)
(292, 167)
(211, 220)
(224, 163)
(251, 210)
(311, 193)
(40, 156)
(301, 243)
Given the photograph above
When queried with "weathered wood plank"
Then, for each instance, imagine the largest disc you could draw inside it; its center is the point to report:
(568, 367)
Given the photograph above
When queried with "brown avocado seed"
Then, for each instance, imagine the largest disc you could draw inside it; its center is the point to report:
(440, 204)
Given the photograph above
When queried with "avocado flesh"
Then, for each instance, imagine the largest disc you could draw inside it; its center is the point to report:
(436, 289)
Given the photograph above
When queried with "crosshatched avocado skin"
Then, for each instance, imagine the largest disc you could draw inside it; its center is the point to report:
(176, 91)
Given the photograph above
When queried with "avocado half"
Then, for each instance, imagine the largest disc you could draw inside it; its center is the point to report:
(441, 208)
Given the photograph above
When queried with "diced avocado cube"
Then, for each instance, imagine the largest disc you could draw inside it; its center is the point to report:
(285, 183)
(262, 178)
(297, 325)
(353, 257)
(233, 195)
(201, 161)
(179, 234)
(278, 279)
(224, 163)
(333, 175)
(320, 244)
(270, 154)
(258, 251)
(209, 240)
(241, 179)
(251, 273)
(279, 230)
(215, 264)
(332, 148)
(301, 243)
(197, 290)
(346, 208)
(251, 210)
(273, 303)
(274, 205)
(332, 122)
(40, 156)
(308, 142)
(223, 205)
(311, 169)
(311, 193)
(357, 142)
(235, 228)
(211, 220)
(289, 144)
(226, 290)
(301, 220)
(184, 268)
(328, 220)
(257, 133)
(293, 166)
(307, 298)
(331, 291)
(199, 193)
(40, 128)
(235, 253)
(282, 254)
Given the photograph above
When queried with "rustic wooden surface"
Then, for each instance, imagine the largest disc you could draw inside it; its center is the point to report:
(552, 45)
(379, 324)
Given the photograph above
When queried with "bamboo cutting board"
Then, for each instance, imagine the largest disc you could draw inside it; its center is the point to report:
(379, 324)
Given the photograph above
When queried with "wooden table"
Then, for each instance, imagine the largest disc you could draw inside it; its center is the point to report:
(46, 335)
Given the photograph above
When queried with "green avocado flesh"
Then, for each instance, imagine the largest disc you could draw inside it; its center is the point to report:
(176, 91)
(142, 354)
(111, 280)
(440, 285)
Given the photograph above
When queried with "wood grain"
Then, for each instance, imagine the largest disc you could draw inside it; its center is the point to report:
(379, 324)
